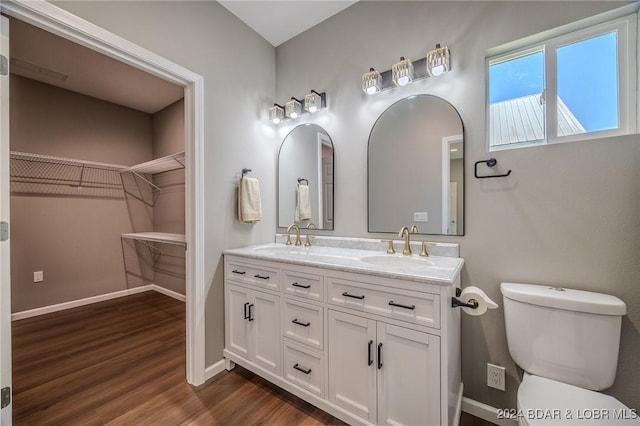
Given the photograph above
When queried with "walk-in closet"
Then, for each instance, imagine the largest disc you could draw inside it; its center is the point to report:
(97, 177)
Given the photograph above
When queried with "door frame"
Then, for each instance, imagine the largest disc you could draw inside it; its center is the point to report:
(447, 141)
(62, 23)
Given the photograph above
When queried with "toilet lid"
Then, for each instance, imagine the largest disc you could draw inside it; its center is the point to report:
(548, 402)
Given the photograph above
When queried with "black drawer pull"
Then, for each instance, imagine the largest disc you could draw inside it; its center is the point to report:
(301, 285)
(250, 317)
(295, 321)
(345, 294)
(261, 277)
(235, 271)
(305, 371)
(412, 307)
(379, 356)
(369, 358)
(246, 313)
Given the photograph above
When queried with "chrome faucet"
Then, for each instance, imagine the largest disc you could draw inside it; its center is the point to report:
(404, 232)
(298, 242)
(311, 225)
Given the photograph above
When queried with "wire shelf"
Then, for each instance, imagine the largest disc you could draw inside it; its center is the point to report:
(49, 175)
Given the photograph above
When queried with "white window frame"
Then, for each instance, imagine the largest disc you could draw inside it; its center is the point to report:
(627, 34)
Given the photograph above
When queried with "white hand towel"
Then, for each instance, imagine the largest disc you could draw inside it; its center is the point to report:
(249, 204)
(303, 205)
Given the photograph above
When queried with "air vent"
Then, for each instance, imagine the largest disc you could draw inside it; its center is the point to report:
(21, 66)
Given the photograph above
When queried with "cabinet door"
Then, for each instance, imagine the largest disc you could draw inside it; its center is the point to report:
(265, 324)
(237, 301)
(352, 364)
(409, 377)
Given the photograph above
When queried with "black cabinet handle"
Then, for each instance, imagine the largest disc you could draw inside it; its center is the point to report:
(261, 277)
(345, 294)
(412, 307)
(235, 271)
(250, 317)
(305, 371)
(295, 321)
(300, 285)
(379, 356)
(246, 314)
(369, 357)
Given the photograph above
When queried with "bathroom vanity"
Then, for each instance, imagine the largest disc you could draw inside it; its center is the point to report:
(367, 336)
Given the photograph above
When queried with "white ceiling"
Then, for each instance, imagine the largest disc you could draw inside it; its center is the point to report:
(279, 21)
(45, 57)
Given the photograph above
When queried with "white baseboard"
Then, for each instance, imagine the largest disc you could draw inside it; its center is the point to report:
(94, 299)
(214, 370)
(166, 292)
(485, 412)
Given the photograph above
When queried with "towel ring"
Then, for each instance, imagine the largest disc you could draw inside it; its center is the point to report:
(300, 180)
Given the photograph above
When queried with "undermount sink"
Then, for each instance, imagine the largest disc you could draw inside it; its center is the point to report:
(282, 249)
(397, 262)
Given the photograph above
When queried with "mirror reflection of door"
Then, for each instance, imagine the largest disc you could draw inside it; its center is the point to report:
(452, 175)
(307, 154)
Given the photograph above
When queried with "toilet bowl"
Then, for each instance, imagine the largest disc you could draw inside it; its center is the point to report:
(544, 402)
(567, 343)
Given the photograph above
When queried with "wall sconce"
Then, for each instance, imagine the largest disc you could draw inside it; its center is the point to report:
(294, 108)
(276, 113)
(371, 82)
(406, 71)
(402, 72)
(313, 101)
(438, 61)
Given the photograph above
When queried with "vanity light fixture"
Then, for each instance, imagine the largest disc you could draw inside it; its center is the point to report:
(402, 72)
(313, 101)
(438, 61)
(276, 113)
(293, 108)
(371, 82)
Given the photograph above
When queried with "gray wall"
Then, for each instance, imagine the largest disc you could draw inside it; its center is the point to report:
(567, 215)
(210, 41)
(168, 211)
(75, 241)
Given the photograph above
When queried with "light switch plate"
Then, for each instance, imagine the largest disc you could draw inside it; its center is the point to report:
(421, 216)
(38, 276)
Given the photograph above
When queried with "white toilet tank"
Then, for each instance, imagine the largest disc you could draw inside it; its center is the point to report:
(571, 336)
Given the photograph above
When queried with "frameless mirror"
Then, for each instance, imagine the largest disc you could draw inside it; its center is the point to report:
(416, 168)
(306, 158)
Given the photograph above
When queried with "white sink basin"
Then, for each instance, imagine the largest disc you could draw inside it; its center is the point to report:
(397, 262)
(282, 249)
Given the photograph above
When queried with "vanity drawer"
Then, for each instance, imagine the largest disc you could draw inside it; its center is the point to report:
(300, 284)
(404, 305)
(257, 275)
(304, 323)
(304, 368)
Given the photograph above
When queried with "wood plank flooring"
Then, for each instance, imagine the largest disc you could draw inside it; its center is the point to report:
(122, 362)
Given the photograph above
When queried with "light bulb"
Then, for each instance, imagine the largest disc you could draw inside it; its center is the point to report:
(276, 120)
(437, 70)
(313, 108)
(371, 90)
(403, 81)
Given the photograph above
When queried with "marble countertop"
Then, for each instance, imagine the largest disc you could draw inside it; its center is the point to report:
(433, 269)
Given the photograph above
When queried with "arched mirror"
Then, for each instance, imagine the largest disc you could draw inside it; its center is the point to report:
(416, 168)
(305, 178)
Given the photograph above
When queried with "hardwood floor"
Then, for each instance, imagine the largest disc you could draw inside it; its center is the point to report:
(122, 362)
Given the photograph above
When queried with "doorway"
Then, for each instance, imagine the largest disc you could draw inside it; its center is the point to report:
(52, 19)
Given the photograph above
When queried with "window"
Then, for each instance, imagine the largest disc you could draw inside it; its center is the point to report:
(576, 86)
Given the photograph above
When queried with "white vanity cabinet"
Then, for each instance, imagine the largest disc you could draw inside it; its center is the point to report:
(386, 374)
(367, 348)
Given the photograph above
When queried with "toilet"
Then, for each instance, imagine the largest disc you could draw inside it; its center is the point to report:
(567, 343)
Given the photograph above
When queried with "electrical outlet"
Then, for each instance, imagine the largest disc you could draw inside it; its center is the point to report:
(421, 216)
(495, 376)
(38, 276)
